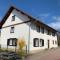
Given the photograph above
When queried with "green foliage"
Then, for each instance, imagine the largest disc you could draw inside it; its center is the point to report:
(22, 53)
(1, 50)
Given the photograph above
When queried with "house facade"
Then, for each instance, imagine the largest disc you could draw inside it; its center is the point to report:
(17, 24)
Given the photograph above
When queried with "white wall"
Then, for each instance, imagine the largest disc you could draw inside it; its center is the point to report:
(20, 31)
(35, 34)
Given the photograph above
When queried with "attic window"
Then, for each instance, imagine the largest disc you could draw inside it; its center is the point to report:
(13, 18)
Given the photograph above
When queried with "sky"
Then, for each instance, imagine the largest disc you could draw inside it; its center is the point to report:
(47, 11)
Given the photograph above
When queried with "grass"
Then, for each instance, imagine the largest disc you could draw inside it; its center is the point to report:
(22, 53)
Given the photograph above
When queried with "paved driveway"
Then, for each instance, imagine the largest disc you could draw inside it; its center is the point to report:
(52, 54)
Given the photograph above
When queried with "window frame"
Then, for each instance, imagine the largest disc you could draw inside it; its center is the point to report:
(13, 17)
(34, 42)
(41, 42)
(12, 39)
(53, 33)
(38, 28)
(48, 32)
(53, 42)
(42, 30)
(12, 29)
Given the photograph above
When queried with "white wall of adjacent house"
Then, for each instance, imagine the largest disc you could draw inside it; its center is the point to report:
(22, 31)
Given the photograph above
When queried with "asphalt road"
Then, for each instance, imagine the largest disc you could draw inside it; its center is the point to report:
(52, 54)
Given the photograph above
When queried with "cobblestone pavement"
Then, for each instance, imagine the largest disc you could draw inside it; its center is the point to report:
(52, 54)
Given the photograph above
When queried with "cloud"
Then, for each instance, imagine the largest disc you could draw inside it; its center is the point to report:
(55, 25)
(56, 18)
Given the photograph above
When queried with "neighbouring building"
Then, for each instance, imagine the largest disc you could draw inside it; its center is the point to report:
(17, 24)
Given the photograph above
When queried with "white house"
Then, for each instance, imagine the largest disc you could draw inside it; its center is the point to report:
(17, 24)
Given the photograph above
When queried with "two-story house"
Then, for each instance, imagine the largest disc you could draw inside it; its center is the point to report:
(17, 24)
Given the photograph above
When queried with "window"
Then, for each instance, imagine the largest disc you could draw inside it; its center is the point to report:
(41, 42)
(12, 29)
(38, 28)
(36, 42)
(42, 30)
(48, 32)
(53, 42)
(53, 34)
(13, 18)
(12, 42)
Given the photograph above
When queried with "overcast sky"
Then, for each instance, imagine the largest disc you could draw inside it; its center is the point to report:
(48, 11)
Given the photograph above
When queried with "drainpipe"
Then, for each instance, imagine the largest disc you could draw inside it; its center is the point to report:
(29, 38)
(29, 35)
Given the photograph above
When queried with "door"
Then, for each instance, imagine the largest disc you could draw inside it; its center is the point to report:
(48, 44)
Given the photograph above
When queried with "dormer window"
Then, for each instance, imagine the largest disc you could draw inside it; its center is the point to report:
(13, 18)
(12, 29)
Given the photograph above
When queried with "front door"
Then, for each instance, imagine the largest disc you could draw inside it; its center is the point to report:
(48, 44)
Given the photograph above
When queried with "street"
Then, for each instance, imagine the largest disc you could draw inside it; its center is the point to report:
(52, 54)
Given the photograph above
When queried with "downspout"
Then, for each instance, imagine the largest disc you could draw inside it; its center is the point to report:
(29, 38)
(29, 35)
